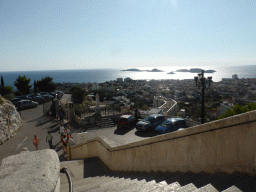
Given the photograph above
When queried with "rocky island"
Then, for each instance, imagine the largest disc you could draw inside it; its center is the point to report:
(195, 70)
(138, 70)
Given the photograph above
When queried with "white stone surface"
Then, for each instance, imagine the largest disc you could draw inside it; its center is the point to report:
(30, 171)
(81, 137)
(10, 120)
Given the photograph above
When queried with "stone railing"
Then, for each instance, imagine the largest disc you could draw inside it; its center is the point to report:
(225, 145)
(31, 171)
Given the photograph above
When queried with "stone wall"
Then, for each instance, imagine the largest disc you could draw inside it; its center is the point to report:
(10, 120)
(226, 145)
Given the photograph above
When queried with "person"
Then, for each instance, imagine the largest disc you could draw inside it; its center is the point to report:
(136, 114)
(68, 137)
(49, 138)
(36, 142)
(69, 130)
(64, 142)
(62, 130)
(50, 114)
(61, 115)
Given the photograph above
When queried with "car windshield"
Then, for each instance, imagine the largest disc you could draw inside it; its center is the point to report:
(149, 119)
(167, 124)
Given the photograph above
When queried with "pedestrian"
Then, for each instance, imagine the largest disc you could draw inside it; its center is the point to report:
(50, 114)
(64, 142)
(49, 138)
(136, 114)
(69, 130)
(62, 130)
(61, 116)
(36, 142)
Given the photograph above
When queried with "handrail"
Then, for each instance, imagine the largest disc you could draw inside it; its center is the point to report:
(65, 170)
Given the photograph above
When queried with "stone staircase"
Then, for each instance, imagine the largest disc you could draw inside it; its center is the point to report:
(106, 122)
(92, 175)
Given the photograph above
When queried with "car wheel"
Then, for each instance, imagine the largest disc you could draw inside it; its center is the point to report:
(35, 106)
(22, 107)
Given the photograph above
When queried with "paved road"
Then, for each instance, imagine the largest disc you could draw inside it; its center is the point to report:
(35, 123)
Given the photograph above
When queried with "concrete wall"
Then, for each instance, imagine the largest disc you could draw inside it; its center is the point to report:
(226, 145)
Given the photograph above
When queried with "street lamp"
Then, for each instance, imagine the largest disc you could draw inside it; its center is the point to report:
(202, 83)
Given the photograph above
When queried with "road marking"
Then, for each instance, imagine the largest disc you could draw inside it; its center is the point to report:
(22, 143)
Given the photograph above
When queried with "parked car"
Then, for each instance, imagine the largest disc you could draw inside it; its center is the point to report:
(57, 94)
(15, 101)
(150, 122)
(46, 96)
(20, 97)
(126, 121)
(39, 99)
(23, 104)
(60, 93)
(170, 125)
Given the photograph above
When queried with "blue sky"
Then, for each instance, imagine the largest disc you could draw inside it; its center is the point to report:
(87, 34)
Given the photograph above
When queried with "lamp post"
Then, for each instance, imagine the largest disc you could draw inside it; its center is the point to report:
(202, 83)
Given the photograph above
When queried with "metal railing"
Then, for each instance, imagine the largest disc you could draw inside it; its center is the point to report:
(65, 170)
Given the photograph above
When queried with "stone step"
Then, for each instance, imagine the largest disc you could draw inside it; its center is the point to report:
(186, 178)
(86, 183)
(119, 185)
(164, 187)
(221, 181)
(248, 184)
(93, 175)
(96, 184)
(186, 188)
(232, 189)
(76, 183)
(206, 188)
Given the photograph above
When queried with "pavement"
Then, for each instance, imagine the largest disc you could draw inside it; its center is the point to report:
(35, 123)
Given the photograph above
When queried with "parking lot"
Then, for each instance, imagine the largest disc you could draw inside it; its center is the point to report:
(35, 123)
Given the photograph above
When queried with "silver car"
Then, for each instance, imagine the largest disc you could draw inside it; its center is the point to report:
(23, 104)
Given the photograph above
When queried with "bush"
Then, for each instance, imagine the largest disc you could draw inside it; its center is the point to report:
(9, 96)
(238, 109)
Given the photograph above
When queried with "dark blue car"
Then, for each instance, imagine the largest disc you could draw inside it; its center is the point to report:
(170, 125)
(150, 122)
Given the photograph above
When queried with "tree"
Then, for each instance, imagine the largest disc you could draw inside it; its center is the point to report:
(8, 90)
(2, 86)
(46, 85)
(78, 94)
(238, 109)
(22, 84)
(35, 86)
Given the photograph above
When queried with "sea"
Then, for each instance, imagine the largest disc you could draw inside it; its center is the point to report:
(103, 75)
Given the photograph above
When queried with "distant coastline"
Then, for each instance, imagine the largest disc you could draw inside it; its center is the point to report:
(138, 70)
(192, 70)
(195, 70)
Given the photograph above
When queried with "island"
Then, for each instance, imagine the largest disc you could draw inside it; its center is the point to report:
(138, 70)
(171, 73)
(155, 70)
(131, 70)
(195, 70)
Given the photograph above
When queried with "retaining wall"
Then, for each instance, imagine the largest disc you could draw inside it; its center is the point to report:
(226, 145)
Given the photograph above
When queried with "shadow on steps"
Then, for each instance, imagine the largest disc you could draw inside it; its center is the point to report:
(219, 180)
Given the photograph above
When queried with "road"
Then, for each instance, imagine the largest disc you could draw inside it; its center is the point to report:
(35, 123)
